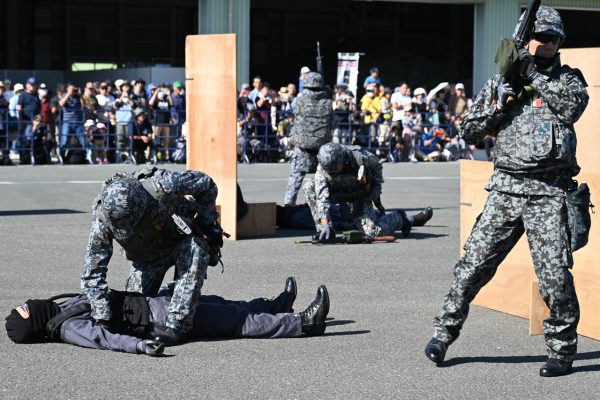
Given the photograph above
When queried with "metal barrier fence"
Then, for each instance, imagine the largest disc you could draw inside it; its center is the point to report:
(72, 142)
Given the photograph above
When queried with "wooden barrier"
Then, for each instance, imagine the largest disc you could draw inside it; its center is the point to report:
(210, 67)
(514, 289)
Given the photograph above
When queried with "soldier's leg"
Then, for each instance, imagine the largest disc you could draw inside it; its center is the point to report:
(311, 198)
(235, 320)
(545, 220)
(496, 231)
(191, 264)
(147, 278)
(297, 173)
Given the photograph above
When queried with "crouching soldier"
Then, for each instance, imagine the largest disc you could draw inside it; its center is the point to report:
(352, 177)
(140, 211)
(138, 321)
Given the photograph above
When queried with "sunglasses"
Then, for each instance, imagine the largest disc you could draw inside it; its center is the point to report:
(544, 38)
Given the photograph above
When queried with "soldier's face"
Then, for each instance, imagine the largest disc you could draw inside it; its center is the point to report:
(544, 46)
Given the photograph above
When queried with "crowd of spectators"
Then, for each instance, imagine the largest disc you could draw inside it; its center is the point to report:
(100, 122)
(399, 124)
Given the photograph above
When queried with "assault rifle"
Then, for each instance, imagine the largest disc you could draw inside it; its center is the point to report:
(507, 57)
(320, 62)
(348, 237)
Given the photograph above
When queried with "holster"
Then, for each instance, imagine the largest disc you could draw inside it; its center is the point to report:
(578, 211)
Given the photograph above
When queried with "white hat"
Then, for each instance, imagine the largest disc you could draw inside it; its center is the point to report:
(118, 83)
(17, 87)
(459, 86)
(89, 123)
(100, 125)
(304, 70)
(420, 90)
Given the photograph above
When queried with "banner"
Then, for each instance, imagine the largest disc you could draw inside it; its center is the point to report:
(347, 71)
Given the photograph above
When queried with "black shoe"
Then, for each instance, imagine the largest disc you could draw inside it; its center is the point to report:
(168, 336)
(421, 218)
(556, 367)
(406, 224)
(313, 318)
(285, 301)
(436, 350)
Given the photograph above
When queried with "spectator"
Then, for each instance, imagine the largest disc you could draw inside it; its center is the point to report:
(178, 97)
(8, 89)
(98, 136)
(373, 78)
(399, 100)
(370, 108)
(432, 117)
(343, 108)
(419, 101)
(264, 102)
(29, 104)
(458, 103)
(430, 146)
(303, 71)
(453, 143)
(385, 119)
(34, 139)
(291, 91)
(89, 101)
(124, 107)
(4, 134)
(47, 115)
(256, 84)
(142, 136)
(72, 118)
(105, 104)
(139, 94)
(161, 103)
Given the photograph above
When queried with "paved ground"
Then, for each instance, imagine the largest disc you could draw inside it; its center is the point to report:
(384, 297)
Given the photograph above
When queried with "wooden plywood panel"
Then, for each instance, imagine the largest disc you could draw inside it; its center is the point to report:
(588, 61)
(260, 220)
(210, 65)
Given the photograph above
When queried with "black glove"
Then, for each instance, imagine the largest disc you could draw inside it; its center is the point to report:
(214, 236)
(505, 90)
(153, 348)
(527, 69)
(327, 232)
(102, 323)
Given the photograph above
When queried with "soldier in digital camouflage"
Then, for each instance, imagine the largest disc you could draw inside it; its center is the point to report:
(311, 130)
(136, 210)
(533, 166)
(352, 177)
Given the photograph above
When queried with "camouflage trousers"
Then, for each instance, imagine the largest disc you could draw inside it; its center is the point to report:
(372, 222)
(190, 258)
(503, 221)
(301, 163)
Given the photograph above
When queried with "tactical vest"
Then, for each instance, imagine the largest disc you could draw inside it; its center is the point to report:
(130, 314)
(532, 139)
(312, 121)
(346, 187)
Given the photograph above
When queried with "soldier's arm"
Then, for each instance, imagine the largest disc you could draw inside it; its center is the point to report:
(567, 96)
(93, 280)
(322, 194)
(372, 164)
(483, 116)
(203, 189)
(82, 331)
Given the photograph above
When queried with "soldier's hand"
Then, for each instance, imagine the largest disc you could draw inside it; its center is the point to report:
(505, 90)
(153, 348)
(214, 236)
(327, 232)
(527, 69)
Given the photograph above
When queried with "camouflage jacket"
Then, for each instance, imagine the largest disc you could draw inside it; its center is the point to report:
(328, 187)
(184, 193)
(312, 119)
(535, 138)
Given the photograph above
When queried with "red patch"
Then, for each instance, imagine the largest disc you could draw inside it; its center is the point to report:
(538, 102)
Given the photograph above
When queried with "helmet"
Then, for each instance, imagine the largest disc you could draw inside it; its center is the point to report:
(547, 21)
(124, 202)
(312, 80)
(331, 156)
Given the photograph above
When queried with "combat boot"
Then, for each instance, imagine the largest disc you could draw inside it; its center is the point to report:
(421, 218)
(313, 318)
(168, 336)
(556, 367)
(436, 350)
(285, 301)
(406, 224)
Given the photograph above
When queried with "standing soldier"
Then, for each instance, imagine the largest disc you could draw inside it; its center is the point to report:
(533, 167)
(139, 210)
(352, 177)
(311, 130)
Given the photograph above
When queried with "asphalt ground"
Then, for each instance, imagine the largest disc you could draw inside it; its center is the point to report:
(383, 300)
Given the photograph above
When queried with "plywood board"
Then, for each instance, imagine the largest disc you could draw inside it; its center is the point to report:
(210, 67)
(260, 220)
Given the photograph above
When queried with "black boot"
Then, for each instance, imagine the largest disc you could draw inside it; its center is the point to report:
(556, 367)
(436, 350)
(168, 336)
(406, 224)
(285, 301)
(313, 318)
(421, 218)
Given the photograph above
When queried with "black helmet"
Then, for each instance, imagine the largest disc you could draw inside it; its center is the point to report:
(124, 202)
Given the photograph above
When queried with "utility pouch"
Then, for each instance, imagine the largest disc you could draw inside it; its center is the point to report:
(578, 210)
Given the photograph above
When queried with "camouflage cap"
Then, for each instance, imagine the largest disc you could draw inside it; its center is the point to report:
(547, 21)
(312, 80)
(331, 156)
(124, 202)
